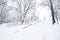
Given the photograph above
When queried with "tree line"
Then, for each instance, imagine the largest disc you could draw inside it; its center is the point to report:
(24, 10)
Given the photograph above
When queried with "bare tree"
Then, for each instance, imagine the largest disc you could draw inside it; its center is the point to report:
(57, 10)
(22, 9)
(24, 6)
(52, 11)
(2, 11)
(50, 4)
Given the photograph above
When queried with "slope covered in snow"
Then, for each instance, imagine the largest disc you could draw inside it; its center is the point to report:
(39, 31)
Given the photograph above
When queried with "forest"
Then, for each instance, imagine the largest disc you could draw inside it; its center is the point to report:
(24, 11)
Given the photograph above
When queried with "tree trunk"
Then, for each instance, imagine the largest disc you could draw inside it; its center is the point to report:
(52, 11)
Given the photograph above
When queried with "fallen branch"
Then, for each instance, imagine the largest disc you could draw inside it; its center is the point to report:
(30, 25)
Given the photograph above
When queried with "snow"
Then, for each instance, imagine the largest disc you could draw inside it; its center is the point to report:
(43, 30)
(39, 31)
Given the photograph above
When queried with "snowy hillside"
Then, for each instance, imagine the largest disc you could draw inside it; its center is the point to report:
(39, 31)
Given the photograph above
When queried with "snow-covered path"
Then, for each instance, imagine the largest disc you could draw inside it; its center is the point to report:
(40, 31)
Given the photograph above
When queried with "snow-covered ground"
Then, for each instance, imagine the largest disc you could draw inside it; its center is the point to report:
(39, 31)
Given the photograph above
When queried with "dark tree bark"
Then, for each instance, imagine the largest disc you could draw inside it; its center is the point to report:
(52, 11)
